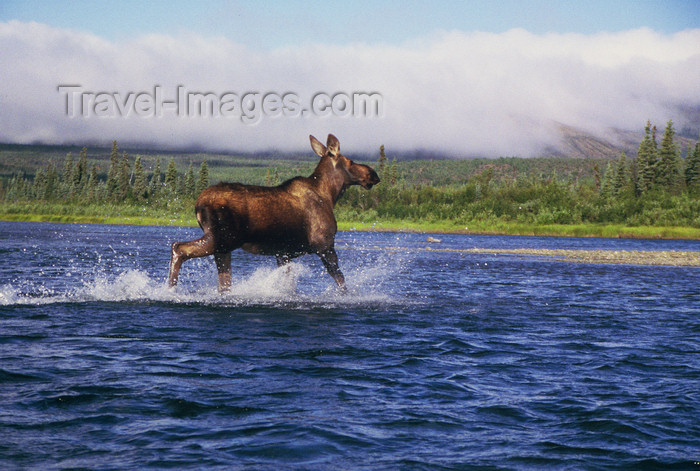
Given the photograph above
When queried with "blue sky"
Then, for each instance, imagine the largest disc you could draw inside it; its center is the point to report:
(266, 25)
(466, 78)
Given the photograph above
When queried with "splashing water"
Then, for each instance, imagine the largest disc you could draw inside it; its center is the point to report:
(433, 359)
(266, 285)
(87, 268)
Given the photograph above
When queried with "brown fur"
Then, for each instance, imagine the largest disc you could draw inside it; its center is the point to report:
(286, 221)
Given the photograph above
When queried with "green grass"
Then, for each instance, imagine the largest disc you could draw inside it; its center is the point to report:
(513, 228)
(511, 196)
(181, 215)
(83, 219)
(184, 216)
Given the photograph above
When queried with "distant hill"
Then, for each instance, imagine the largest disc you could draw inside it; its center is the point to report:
(578, 144)
(572, 143)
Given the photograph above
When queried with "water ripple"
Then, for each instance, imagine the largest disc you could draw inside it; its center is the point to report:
(434, 360)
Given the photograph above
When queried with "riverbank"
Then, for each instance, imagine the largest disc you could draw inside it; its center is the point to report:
(128, 220)
(518, 229)
(436, 227)
(673, 258)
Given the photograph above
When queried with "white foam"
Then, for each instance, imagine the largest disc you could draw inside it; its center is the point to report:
(8, 295)
(292, 284)
(269, 283)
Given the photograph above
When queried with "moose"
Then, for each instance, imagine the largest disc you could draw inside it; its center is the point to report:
(287, 221)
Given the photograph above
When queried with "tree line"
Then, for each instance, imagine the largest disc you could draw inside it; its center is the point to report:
(656, 168)
(659, 187)
(126, 181)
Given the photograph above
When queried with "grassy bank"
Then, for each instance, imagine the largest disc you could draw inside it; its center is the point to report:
(127, 215)
(83, 219)
(510, 196)
(514, 228)
(180, 214)
(675, 258)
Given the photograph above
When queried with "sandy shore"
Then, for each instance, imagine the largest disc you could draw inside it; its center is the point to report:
(631, 257)
(627, 257)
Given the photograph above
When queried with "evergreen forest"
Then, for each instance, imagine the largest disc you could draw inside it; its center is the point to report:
(654, 194)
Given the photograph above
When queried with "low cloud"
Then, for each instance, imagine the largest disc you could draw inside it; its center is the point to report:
(464, 94)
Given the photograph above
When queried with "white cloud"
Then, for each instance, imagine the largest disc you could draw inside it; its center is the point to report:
(463, 93)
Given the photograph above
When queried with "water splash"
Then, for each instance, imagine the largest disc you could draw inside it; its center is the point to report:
(294, 285)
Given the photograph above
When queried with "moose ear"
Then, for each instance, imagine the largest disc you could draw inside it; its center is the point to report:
(333, 145)
(319, 148)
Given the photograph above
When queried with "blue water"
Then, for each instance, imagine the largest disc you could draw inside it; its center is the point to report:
(434, 360)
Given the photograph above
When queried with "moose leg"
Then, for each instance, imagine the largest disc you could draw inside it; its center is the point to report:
(182, 251)
(330, 261)
(223, 266)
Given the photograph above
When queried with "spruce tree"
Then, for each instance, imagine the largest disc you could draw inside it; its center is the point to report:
(92, 185)
(67, 177)
(655, 161)
(621, 175)
(596, 176)
(39, 186)
(171, 177)
(80, 174)
(19, 189)
(203, 180)
(669, 161)
(156, 180)
(646, 158)
(123, 178)
(113, 173)
(692, 169)
(382, 159)
(140, 188)
(11, 192)
(189, 184)
(606, 188)
(393, 173)
(633, 177)
(51, 187)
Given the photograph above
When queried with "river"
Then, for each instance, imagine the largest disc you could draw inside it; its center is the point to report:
(434, 359)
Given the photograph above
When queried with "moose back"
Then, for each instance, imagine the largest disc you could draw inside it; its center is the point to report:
(289, 220)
